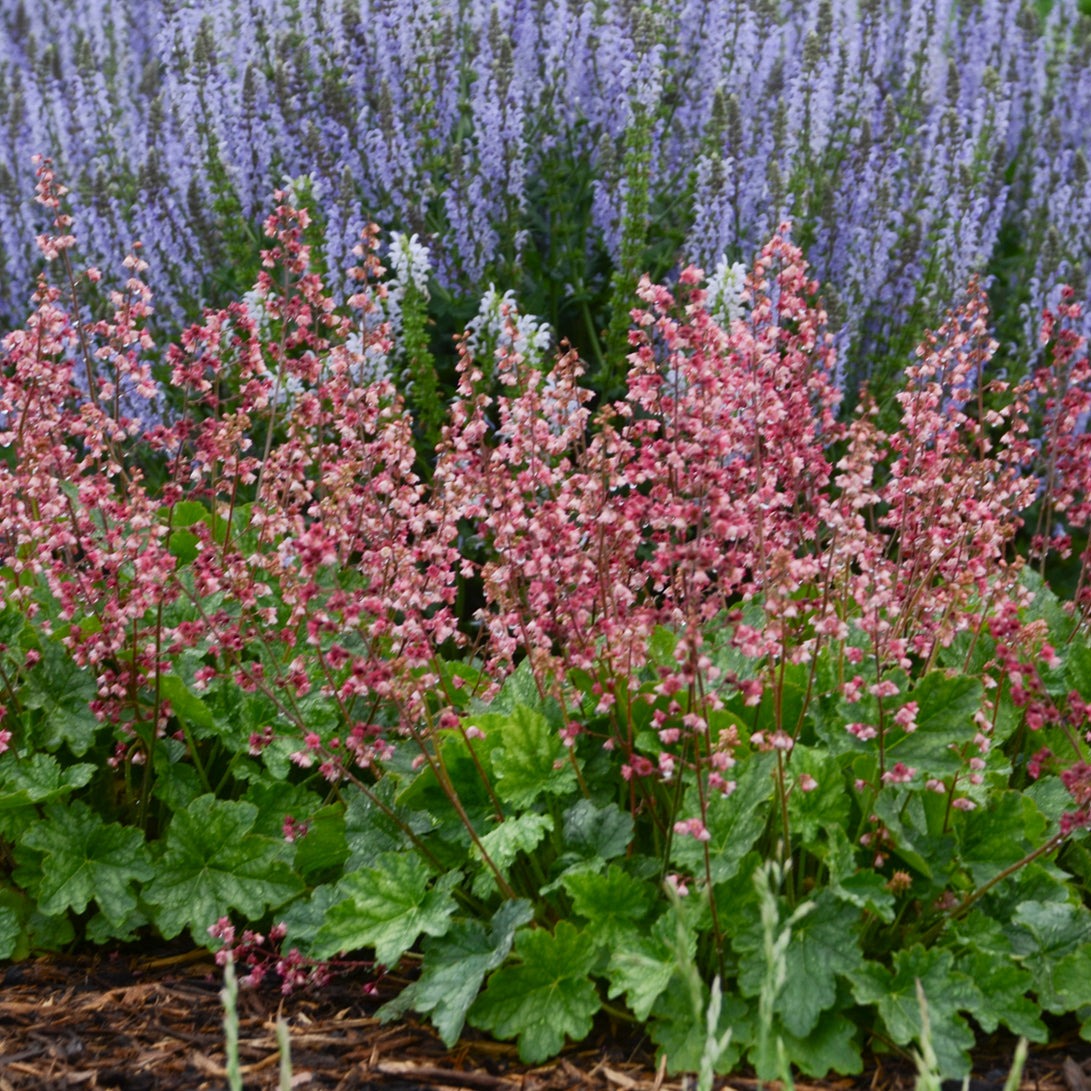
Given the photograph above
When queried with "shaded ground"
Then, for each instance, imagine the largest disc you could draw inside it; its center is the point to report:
(141, 1023)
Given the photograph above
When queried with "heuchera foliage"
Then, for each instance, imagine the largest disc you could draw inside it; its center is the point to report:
(706, 684)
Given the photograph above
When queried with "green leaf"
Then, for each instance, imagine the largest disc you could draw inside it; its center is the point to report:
(999, 834)
(454, 968)
(11, 931)
(425, 793)
(864, 888)
(322, 848)
(545, 997)
(371, 832)
(186, 705)
(825, 945)
(101, 930)
(387, 907)
(176, 783)
(1077, 664)
(530, 759)
(597, 832)
(213, 862)
(894, 994)
(45, 932)
(1071, 981)
(661, 647)
(305, 916)
(1052, 941)
(1045, 605)
(185, 513)
(518, 691)
(734, 822)
(681, 1039)
(831, 1046)
(38, 779)
(1003, 989)
(643, 967)
(812, 814)
(947, 704)
(613, 904)
(905, 817)
(85, 860)
(522, 833)
(63, 691)
(184, 543)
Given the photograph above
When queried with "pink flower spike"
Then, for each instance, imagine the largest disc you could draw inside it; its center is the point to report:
(899, 774)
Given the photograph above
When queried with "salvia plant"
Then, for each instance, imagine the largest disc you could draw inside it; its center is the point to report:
(559, 149)
(711, 706)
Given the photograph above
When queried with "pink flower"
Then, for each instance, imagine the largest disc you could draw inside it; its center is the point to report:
(899, 773)
(906, 717)
(864, 732)
(692, 827)
(678, 884)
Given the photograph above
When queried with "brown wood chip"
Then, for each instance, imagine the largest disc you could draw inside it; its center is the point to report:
(154, 1023)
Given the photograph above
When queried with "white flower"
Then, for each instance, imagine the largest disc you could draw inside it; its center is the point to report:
(411, 262)
(725, 290)
(302, 190)
(499, 329)
(254, 303)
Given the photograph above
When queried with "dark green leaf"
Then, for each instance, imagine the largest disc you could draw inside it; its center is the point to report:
(947, 704)
(63, 691)
(425, 793)
(1053, 941)
(894, 994)
(905, 816)
(613, 904)
(455, 966)
(862, 887)
(597, 832)
(530, 759)
(11, 932)
(387, 907)
(644, 966)
(371, 831)
(832, 1046)
(12, 626)
(521, 833)
(1003, 989)
(85, 860)
(825, 945)
(214, 862)
(545, 996)
(734, 822)
(812, 814)
(999, 834)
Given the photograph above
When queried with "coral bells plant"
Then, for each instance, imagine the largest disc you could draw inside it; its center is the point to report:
(708, 707)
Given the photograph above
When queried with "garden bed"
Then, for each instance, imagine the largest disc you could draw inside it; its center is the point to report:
(137, 1022)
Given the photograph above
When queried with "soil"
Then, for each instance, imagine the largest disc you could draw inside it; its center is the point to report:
(153, 1022)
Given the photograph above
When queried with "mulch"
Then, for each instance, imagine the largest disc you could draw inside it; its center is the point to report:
(153, 1022)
